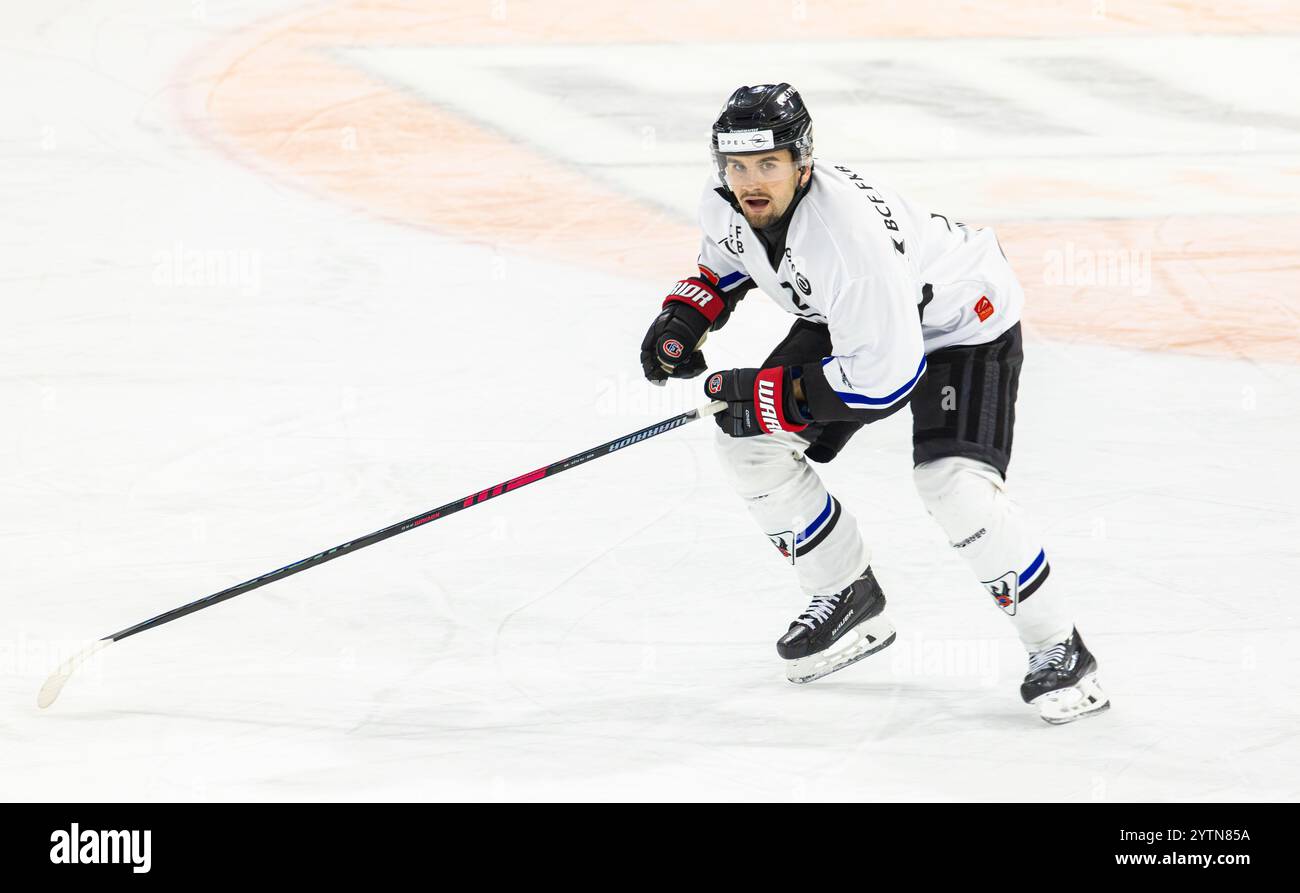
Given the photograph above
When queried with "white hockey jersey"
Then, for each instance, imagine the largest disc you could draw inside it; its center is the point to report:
(892, 280)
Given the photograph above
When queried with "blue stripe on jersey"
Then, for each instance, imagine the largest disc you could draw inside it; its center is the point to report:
(1029, 571)
(731, 279)
(851, 398)
(817, 522)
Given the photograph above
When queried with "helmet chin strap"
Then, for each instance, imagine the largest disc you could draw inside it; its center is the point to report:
(808, 168)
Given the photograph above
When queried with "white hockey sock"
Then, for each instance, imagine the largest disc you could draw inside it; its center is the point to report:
(969, 501)
(791, 505)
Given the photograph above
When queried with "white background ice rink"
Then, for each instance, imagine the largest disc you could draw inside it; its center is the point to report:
(208, 371)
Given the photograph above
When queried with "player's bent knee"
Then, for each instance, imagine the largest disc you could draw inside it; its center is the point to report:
(758, 466)
(962, 494)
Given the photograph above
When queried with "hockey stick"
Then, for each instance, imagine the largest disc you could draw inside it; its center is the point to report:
(54, 685)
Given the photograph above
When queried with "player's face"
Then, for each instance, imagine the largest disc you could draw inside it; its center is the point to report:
(763, 184)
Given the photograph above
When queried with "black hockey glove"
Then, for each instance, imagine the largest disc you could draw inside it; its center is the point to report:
(670, 348)
(759, 401)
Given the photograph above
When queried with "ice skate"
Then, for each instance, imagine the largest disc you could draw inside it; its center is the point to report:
(837, 630)
(1062, 682)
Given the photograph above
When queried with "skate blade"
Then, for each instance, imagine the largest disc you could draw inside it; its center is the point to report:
(1076, 702)
(863, 640)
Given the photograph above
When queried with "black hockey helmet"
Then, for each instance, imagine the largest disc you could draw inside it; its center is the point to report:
(760, 119)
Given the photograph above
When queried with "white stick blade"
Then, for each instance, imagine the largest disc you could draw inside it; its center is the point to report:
(54, 685)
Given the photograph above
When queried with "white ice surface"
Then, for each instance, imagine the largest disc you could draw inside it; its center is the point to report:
(607, 634)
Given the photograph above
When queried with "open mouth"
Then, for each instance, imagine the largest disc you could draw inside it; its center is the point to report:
(756, 203)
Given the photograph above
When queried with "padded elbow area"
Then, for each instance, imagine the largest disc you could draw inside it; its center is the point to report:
(963, 495)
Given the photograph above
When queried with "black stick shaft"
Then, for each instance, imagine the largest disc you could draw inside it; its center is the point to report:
(410, 523)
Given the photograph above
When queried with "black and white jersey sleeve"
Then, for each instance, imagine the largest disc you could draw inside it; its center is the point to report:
(879, 354)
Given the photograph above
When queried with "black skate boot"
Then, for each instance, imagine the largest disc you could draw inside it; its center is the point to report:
(1062, 682)
(836, 630)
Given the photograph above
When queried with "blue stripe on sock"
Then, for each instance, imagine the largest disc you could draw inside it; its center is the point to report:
(818, 522)
(1033, 568)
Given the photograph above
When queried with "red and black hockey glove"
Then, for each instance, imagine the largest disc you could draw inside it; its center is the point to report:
(759, 401)
(670, 347)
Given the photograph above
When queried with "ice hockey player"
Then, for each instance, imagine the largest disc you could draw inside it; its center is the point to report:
(896, 305)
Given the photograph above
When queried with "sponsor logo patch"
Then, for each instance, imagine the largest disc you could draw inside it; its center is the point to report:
(673, 348)
(745, 141)
(783, 541)
(767, 405)
(1005, 591)
(983, 308)
(692, 291)
(835, 632)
